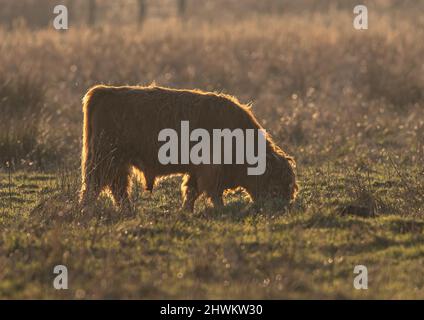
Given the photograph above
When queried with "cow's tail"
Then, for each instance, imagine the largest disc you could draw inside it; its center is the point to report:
(88, 154)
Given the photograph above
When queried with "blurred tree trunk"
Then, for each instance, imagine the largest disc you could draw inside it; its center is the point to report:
(142, 11)
(91, 12)
(182, 7)
(71, 10)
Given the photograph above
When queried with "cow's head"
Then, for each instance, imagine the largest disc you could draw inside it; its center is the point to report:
(280, 177)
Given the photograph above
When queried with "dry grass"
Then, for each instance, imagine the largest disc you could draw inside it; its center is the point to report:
(316, 89)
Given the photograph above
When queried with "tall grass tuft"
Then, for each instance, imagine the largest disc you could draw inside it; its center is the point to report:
(21, 104)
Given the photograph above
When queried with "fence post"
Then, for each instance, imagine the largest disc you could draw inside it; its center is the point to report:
(142, 11)
(91, 12)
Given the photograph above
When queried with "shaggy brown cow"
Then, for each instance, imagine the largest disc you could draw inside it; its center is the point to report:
(121, 127)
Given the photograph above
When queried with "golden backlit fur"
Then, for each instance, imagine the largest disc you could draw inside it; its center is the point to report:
(121, 127)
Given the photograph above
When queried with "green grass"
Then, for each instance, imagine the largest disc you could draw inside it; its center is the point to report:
(239, 252)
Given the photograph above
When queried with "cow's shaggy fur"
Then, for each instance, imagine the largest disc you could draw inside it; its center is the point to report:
(120, 134)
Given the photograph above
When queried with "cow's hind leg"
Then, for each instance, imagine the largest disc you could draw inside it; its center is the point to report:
(190, 192)
(90, 191)
(119, 186)
(93, 183)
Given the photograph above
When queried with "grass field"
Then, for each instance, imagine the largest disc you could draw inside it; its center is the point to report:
(308, 252)
(346, 104)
